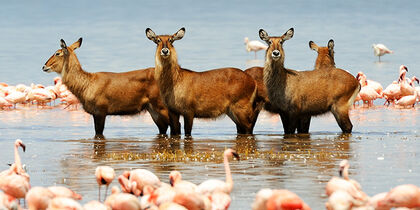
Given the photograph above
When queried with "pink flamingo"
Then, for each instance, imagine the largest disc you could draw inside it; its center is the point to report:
(95, 205)
(16, 97)
(260, 202)
(122, 201)
(409, 100)
(4, 103)
(175, 179)
(15, 185)
(220, 201)
(64, 203)
(342, 200)
(38, 198)
(61, 191)
(171, 206)
(380, 50)
(367, 94)
(406, 195)
(8, 201)
(192, 201)
(373, 84)
(134, 181)
(104, 176)
(284, 199)
(212, 185)
(351, 187)
(156, 197)
(254, 45)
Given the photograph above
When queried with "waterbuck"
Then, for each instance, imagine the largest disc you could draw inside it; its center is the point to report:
(109, 93)
(298, 95)
(207, 94)
(325, 59)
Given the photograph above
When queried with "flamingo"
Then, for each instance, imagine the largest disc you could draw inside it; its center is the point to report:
(406, 195)
(122, 201)
(38, 198)
(212, 185)
(375, 85)
(284, 199)
(341, 200)
(261, 198)
(104, 176)
(220, 201)
(254, 45)
(16, 97)
(175, 179)
(61, 191)
(409, 100)
(15, 185)
(367, 94)
(192, 201)
(4, 103)
(171, 206)
(351, 187)
(8, 201)
(134, 181)
(95, 205)
(380, 50)
(156, 197)
(64, 203)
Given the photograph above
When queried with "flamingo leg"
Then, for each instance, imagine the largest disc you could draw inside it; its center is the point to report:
(99, 194)
(106, 192)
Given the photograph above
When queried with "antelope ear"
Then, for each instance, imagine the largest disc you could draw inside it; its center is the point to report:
(313, 46)
(64, 47)
(76, 44)
(331, 45)
(264, 35)
(179, 34)
(289, 34)
(63, 44)
(151, 35)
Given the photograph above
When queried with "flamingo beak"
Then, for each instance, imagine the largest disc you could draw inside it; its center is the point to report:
(417, 80)
(236, 155)
(171, 181)
(340, 172)
(358, 76)
(405, 67)
(23, 147)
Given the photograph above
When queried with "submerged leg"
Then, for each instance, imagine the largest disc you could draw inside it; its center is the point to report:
(303, 124)
(174, 123)
(341, 114)
(188, 123)
(289, 123)
(99, 121)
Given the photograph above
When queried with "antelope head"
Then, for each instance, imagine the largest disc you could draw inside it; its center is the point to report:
(164, 43)
(57, 60)
(325, 54)
(275, 50)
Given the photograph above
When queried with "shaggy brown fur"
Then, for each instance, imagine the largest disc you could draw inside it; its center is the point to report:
(108, 93)
(207, 94)
(298, 95)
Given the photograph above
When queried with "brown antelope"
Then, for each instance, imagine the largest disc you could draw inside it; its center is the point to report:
(325, 59)
(298, 95)
(109, 93)
(207, 94)
(257, 73)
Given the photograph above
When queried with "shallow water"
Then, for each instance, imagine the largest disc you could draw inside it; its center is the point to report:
(383, 149)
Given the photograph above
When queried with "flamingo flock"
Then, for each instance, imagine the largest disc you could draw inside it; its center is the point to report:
(142, 189)
(402, 93)
(36, 94)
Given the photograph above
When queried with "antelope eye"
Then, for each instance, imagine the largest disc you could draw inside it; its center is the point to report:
(57, 53)
(270, 42)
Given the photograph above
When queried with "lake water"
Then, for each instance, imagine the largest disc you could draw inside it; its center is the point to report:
(383, 149)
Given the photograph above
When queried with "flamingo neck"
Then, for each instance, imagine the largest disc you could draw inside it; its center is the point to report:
(346, 173)
(17, 159)
(229, 180)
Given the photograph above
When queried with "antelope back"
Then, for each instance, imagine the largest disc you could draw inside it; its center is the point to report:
(275, 50)
(325, 57)
(165, 49)
(57, 61)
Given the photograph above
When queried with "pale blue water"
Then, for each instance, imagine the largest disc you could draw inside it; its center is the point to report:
(383, 150)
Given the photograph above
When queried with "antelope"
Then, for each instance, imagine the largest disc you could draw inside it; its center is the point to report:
(325, 59)
(108, 93)
(298, 95)
(207, 94)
